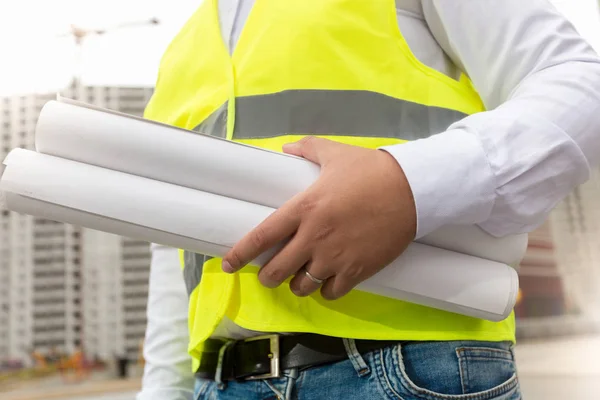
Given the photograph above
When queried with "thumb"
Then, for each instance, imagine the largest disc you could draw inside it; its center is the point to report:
(311, 148)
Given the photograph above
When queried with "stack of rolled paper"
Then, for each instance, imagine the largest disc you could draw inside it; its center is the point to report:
(125, 175)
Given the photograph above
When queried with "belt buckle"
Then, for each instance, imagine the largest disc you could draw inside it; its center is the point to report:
(274, 355)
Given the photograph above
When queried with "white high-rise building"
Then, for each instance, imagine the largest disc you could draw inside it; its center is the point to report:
(62, 286)
(115, 280)
(576, 231)
(20, 290)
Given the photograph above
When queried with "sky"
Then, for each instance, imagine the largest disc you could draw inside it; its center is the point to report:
(34, 59)
(585, 15)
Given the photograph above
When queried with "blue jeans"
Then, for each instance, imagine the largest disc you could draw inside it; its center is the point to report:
(421, 370)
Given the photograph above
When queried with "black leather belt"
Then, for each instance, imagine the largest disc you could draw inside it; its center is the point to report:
(267, 356)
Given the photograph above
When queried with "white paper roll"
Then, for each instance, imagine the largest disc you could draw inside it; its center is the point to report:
(184, 158)
(168, 154)
(130, 205)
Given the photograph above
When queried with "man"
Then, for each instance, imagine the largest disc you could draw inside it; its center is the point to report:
(430, 113)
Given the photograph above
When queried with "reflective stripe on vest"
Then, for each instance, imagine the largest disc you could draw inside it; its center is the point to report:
(320, 112)
(192, 271)
(330, 112)
(339, 69)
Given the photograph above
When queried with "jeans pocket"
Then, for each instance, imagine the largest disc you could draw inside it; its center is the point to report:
(483, 368)
(479, 373)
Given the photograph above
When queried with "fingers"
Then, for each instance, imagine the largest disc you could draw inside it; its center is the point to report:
(286, 263)
(301, 285)
(351, 274)
(336, 287)
(280, 225)
(311, 148)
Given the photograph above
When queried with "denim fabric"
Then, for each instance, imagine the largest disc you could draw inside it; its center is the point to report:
(422, 370)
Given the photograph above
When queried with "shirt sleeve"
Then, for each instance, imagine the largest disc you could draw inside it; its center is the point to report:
(168, 369)
(506, 168)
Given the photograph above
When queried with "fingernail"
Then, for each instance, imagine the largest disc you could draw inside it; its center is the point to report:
(227, 267)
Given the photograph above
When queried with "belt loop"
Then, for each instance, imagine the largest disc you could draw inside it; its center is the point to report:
(292, 376)
(358, 362)
(219, 369)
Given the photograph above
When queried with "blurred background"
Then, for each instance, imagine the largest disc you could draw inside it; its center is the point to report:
(73, 300)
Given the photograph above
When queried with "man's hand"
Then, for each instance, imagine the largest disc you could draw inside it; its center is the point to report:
(354, 220)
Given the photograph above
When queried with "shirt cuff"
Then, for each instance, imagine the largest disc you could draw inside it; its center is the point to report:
(450, 178)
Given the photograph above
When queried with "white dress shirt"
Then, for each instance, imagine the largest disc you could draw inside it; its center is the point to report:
(168, 370)
(503, 169)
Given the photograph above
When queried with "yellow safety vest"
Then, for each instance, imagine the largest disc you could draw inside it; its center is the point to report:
(339, 69)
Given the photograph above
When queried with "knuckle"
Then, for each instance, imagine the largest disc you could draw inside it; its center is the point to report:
(235, 258)
(302, 287)
(272, 276)
(259, 237)
(337, 254)
(308, 140)
(307, 205)
(354, 272)
(323, 231)
(307, 285)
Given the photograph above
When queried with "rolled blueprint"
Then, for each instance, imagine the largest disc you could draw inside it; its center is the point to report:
(161, 152)
(130, 205)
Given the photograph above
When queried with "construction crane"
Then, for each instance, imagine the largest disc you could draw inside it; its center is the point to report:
(79, 34)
